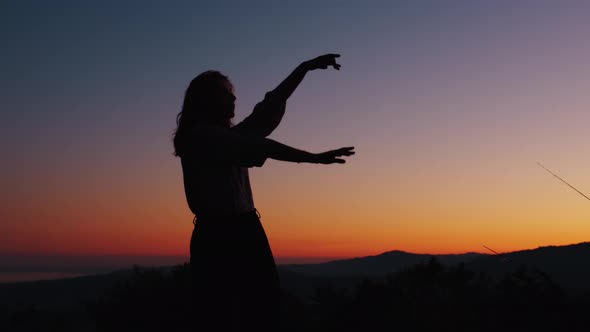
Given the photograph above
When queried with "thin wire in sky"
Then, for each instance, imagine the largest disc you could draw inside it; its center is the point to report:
(562, 180)
(492, 250)
(503, 258)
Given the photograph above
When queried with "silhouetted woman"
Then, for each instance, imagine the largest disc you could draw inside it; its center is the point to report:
(234, 273)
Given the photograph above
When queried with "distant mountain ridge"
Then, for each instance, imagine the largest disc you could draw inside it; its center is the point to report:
(377, 265)
(568, 265)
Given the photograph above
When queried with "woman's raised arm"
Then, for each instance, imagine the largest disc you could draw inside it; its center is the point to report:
(267, 114)
(289, 84)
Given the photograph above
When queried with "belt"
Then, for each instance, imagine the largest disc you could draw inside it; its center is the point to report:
(224, 216)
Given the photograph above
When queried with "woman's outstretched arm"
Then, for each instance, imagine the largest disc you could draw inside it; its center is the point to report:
(216, 145)
(280, 151)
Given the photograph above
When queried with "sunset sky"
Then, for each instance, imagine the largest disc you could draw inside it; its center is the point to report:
(449, 105)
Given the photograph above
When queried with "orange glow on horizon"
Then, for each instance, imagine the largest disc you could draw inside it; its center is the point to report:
(321, 232)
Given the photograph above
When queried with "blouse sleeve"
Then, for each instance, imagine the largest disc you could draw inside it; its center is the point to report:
(217, 145)
(265, 117)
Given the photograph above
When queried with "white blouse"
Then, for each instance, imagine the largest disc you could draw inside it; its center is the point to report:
(215, 167)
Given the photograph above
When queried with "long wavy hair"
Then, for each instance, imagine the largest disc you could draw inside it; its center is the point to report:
(200, 103)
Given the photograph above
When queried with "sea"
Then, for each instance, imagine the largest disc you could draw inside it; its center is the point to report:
(10, 277)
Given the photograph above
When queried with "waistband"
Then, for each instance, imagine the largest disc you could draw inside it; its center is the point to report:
(227, 216)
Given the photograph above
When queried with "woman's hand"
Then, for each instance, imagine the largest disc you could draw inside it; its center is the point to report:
(332, 156)
(322, 62)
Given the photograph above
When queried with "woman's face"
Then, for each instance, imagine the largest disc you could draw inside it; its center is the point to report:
(225, 100)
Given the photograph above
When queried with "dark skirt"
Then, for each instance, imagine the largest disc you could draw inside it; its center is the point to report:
(235, 279)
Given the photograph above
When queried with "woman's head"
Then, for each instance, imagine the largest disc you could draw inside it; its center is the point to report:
(209, 99)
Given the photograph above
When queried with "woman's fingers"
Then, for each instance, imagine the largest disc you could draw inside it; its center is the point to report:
(332, 61)
(332, 156)
(324, 61)
(349, 151)
(334, 64)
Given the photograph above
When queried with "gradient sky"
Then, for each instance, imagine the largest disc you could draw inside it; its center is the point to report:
(449, 104)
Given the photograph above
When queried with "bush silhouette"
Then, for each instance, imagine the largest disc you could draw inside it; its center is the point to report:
(425, 297)
(149, 300)
(430, 297)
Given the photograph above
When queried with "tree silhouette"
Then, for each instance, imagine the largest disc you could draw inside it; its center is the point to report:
(425, 297)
